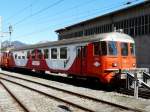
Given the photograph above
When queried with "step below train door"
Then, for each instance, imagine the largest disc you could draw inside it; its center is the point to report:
(81, 60)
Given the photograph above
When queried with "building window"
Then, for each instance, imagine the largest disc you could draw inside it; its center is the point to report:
(63, 53)
(54, 53)
(46, 53)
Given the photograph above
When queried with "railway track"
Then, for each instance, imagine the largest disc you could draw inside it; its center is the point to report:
(22, 106)
(12, 79)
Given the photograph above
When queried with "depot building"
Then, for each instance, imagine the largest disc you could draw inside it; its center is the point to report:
(133, 20)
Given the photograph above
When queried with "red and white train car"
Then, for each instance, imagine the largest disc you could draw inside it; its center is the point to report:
(100, 56)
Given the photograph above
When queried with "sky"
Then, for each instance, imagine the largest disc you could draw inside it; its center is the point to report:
(36, 21)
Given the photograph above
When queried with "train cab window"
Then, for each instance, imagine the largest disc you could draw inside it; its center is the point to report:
(39, 52)
(132, 49)
(46, 53)
(104, 47)
(63, 53)
(112, 48)
(124, 49)
(97, 48)
(54, 53)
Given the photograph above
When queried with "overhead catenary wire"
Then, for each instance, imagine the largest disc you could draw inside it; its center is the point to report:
(38, 12)
(21, 11)
(97, 11)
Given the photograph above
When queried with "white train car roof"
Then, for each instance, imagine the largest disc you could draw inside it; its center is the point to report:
(113, 36)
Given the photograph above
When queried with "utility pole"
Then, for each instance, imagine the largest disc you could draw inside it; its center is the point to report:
(2, 35)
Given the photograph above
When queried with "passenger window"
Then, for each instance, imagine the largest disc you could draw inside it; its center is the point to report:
(78, 51)
(124, 49)
(63, 53)
(39, 54)
(28, 54)
(97, 48)
(46, 53)
(112, 48)
(132, 49)
(23, 57)
(19, 57)
(54, 53)
(84, 51)
(15, 56)
(104, 47)
(33, 54)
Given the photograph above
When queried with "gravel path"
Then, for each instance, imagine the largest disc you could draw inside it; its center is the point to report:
(36, 102)
(108, 96)
(7, 103)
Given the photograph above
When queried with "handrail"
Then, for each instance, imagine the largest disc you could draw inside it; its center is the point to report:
(144, 84)
(146, 76)
(136, 83)
(140, 81)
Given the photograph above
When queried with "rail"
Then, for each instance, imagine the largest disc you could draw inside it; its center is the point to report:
(76, 94)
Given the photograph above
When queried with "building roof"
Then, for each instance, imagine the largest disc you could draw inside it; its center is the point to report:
(107, 14)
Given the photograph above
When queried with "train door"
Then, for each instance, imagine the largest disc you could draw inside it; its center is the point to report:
(81, 60)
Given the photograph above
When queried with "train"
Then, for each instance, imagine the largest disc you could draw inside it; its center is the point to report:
(100, 56)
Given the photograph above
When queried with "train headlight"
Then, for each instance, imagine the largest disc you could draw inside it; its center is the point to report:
(114, 64)
(133, 64)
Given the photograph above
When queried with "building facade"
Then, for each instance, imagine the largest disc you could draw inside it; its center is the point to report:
(134, 20)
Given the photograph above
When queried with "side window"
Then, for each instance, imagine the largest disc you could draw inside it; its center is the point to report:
(78, 52)
(97, 48)
(63, 53)
(19, 57)
(46, 53)
(124, 49)
(104, 47)
(15, 56)
(54, 53)
(84, 51)
(23, 57)
(39, 54)
(132, 49)
(28, 54)
(33, 54)
(112, 48)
